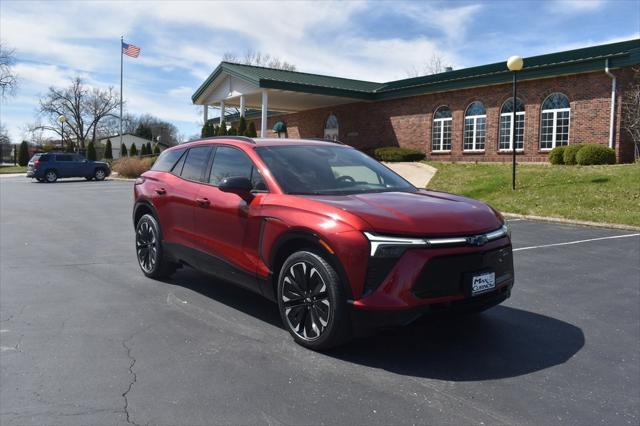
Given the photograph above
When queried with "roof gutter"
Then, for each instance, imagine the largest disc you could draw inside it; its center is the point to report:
(612, 116)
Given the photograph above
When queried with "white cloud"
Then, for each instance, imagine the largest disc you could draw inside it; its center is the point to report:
(569, 7)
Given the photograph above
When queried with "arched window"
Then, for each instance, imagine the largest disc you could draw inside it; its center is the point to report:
(554, 124)
(475, 127)
(441, 133)
(331, 128)
(506, 127)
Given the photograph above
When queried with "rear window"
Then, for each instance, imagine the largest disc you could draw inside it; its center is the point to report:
(39, 157)
(167, 160)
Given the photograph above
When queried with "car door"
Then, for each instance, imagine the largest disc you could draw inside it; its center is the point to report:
(79, 166)
(175, 198)
(228, 225)
(63, 165)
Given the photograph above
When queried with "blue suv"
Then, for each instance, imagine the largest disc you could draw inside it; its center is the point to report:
(49, 166)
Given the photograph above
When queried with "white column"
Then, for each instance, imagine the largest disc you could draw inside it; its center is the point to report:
(263, 118)
(241, 105)
(221, 111)
(205, 108)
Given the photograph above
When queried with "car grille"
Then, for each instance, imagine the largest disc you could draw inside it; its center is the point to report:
(451, 275)
(377, 271)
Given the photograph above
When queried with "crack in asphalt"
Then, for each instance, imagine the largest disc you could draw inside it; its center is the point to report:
(134, 379)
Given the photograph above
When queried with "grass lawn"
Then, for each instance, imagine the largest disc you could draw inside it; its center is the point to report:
(12, 169)
(594, 193)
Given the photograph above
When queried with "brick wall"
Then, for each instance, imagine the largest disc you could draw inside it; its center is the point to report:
(407, 122)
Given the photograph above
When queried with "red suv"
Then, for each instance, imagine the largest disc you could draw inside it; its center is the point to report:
(339, 241)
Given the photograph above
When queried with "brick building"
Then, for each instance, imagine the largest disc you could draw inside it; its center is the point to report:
(463, 115)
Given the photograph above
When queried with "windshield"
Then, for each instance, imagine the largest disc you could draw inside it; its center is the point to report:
(329, 170)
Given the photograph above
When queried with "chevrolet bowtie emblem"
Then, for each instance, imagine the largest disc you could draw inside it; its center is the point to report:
(477, 240)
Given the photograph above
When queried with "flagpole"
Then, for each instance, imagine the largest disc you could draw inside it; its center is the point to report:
(121, 67)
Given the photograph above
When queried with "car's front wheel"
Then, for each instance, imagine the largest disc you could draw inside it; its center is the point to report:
(99, 174)
(149, 249)
(312, 301)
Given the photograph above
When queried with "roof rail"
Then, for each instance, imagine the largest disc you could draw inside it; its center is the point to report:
(237, 138)
(326, 140)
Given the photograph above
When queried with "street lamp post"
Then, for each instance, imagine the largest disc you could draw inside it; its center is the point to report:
(515, 64)
(62, 119)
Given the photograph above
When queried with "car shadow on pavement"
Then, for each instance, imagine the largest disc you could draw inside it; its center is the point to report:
(499, 343)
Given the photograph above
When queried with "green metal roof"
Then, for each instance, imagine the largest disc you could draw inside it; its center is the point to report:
(587, 59)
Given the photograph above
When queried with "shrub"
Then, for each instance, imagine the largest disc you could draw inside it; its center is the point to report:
(23, 154)
(156, 150)
(556, 155)
(133, 151)
(108, 151)
(143, 150)
(394, 154)
(242, 126)
(232, 131)
(222, 130)
(251, 130)
(595, 154)
(91, 151)
(123, 150)
(132, 166)
(149, 149)
(570, 152)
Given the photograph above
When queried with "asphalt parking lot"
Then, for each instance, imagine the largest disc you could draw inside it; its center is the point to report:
(86, 339)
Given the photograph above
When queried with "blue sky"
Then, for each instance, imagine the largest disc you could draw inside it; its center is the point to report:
(182, 42)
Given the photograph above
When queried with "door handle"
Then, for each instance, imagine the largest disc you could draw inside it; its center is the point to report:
(160, 191)
(203, 202)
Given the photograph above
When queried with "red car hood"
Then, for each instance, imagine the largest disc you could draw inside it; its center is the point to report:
(419, 213)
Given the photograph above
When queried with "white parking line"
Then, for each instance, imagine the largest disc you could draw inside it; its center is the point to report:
(577, 242)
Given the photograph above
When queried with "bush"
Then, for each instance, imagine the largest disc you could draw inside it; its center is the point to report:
(91, 151)
(556, 155)
(149, 149)
(156, 150)
(394, 154)
(108, 151)
(132, 166)
(242, 126)
(570, 152)
(595, 154)
(251, 130)
(143, 150)
(123, 150)
(222, 130)
(133, 151)
(232, 131)
(23, 154)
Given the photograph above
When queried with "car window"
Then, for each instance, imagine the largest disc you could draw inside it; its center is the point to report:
(78, 158)
(63, 157)
(167, 159)
(195, 163)
(231, 162)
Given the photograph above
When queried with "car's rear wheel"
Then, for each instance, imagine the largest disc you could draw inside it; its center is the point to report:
(149, 249)
(99, 174)
(312, 301)
(50, 176)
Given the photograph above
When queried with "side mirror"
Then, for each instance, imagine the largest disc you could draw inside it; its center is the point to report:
(239, 185)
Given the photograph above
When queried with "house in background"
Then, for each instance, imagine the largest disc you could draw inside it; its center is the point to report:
(128, 139)
(564, 98)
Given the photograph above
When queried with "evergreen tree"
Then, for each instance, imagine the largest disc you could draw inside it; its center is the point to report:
(156, 150)
(123, 150)
(215, 130)
(108, 151)
(91, 151)
(242, 126)
(149, 148)
(222, 130)
(144, 132)
(232, 131)
(23, 154)
(143, 149)
(133, 151)
(251, 130)
(208, 130)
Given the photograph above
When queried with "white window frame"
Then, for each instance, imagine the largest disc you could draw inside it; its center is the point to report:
(511, 131)
(441, 135)
(474, 140)
(554, 122)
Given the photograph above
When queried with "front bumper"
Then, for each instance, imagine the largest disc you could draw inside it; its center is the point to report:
(439, 276)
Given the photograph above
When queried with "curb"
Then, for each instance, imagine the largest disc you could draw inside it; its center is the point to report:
(571, 221)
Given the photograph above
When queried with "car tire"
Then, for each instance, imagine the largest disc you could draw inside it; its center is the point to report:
(99, 174)
(312, 301)
(149, 253)
(50, 176)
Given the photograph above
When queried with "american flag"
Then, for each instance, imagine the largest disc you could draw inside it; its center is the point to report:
(130, 50)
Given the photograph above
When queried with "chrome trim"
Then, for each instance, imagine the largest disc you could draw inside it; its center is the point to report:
(377, 241)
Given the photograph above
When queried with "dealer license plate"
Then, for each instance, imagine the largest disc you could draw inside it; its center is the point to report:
(483, 283)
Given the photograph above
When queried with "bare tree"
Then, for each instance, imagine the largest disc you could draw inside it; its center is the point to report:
(83, 108)
(251, 57)
(631, 111)
(435, 65)
(8, 79)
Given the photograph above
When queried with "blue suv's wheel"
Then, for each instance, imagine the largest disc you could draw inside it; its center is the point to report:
(50, 176)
